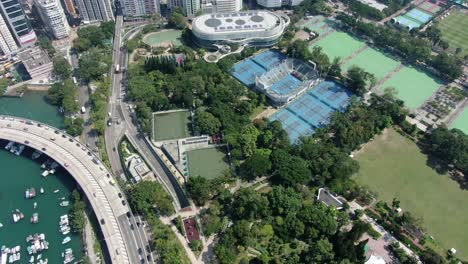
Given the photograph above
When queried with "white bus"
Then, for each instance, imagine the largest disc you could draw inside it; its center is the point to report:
(117, 68)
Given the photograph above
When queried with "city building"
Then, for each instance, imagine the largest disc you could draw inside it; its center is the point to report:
(70, 6)
(7, 42)
(253, 28)
(95, 10)
(278, 3)
(173, 4)
(15, 18)
(135, 8)
(191, 7)
(37, 63)
(53, 16)
(138, 169)
(221, 6)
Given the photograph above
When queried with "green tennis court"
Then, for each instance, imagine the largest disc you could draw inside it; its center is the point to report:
(208, 163)
(171, 125)
(413, 86)
(157, 38)
(338, 44)
(462, 121)
(373, 62)
(453, 30)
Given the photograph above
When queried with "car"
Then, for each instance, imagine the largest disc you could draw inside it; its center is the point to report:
(26, 142)
(64, 136)
(129, 214)
(140, 251)
(65, 164)
(56, 131)
(120, 195)
(123, 202)
(103, 222)
(44, 149)
(148, 257)
(71, 139)
(138, 224)
(132, 227)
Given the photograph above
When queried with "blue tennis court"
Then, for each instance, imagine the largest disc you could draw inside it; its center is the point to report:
(414, 18)
(286, 85)
(419, 15)
(268, 59)
(313, 110)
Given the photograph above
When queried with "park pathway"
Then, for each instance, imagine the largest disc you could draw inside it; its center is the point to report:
(376, 88)
(352, 56)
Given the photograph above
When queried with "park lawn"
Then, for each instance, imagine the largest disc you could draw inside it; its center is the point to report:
(412, 85)
(171, 125)
(462, 121)
(453, 30)
(374, 62)
(208, 163)
(338, 44)
(395, 167)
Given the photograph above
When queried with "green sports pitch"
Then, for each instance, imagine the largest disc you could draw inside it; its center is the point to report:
(454, 30)
(171, 125)
(208, 163)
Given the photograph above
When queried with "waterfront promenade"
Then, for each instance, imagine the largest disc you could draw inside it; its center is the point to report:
(95, 180)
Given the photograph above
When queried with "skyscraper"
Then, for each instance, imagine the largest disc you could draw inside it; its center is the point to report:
(13, 15)
(7, 42)
(132, 8)
(52, 15)
(190, 7)
(95, 10)
(278, 3)
(227, 5)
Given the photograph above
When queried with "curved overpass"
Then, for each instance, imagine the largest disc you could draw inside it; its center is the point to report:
(95, 180)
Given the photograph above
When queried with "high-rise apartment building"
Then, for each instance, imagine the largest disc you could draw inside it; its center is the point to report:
(223, 6)
(190, 7)
(133, 8)
(7, 42)
(95, 10)
(278, 3)
(53, 16)
(15, 18)
(70, 6)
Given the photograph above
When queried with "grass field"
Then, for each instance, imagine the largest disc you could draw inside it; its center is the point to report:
(373, 62)
(462, 121)
(394, 167)
(208, 163)
(338, 44)
(413, 86)
(156, 38)
(454, 29)
(171, 125)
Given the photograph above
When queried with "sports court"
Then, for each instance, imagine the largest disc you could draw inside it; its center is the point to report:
(453, 29)
(171, 125)
(413, 86)
(374, 62)
(320, 24)
(312, 110)
(418, 16)
(168, 36)
(247, 70)
(208, 163)
(338, 44)
(462, 121)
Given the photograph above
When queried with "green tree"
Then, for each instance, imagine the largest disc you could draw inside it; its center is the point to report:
(357, 80)
(206, 122)
(4, 82)
(77, 212)
(289, 170)
(320, 252)
(149, 197)
(258, 164)
(74, 126)
(249, 204)
(62, 68)
(199, 189)
(177, 19)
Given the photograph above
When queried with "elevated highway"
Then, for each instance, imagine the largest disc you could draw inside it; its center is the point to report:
(95, 180)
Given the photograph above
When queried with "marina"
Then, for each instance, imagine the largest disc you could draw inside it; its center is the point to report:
(40, 212)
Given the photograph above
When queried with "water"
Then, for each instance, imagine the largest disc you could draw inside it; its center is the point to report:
(19, 173)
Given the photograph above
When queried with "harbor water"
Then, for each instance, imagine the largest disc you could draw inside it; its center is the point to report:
(17, 173)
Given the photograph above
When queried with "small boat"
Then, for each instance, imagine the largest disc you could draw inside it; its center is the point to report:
(30, 193)
(13, 148)
(19, 150)
(31, 260)
(66, 240)
(45, 173)
(39, 256)
(35, 205)
(56, 191)
(42, 190)
(9, 145)
(35, 218)
(62, 198)
(52, 171)
(1, 225)
(36, 154)
(64, 203)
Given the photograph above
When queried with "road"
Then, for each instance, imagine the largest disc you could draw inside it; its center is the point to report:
(129, 126)
(97, 183)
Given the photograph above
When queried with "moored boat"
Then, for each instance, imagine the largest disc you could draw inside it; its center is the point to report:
(66, 240)
(64, 203)
(9, 145)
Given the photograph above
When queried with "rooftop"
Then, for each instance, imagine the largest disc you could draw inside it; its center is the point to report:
(34, 58)
(236, 21)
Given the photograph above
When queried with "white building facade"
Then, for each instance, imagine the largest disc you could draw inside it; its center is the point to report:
(95, 10)
(278, 3)
(15, 18)
(53, 16)
(138, 8)
(7, 42)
